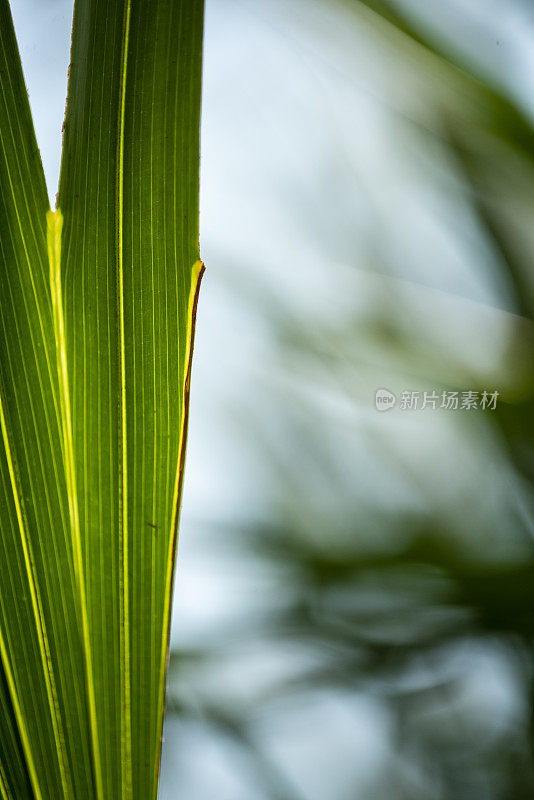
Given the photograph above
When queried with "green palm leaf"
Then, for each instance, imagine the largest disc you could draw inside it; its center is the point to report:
(97, 305)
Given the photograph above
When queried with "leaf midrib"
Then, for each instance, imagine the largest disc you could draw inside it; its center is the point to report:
(126, 712)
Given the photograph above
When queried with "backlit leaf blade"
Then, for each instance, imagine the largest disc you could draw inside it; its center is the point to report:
(14, 776)
(130, 270)
(97, 307)
(40, 643)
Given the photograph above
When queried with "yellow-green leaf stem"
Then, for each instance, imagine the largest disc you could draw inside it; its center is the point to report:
(54, 220)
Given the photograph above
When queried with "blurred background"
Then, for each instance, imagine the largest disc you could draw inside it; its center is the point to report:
(354, 605)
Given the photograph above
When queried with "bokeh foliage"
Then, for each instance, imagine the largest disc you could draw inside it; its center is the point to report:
(395, 561)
